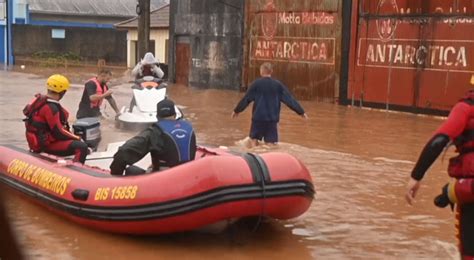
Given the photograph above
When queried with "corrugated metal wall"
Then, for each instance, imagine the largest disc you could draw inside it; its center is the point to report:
(414, 55)
(303, 41)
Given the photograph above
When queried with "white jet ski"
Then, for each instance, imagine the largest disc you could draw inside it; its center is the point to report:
(141, 113)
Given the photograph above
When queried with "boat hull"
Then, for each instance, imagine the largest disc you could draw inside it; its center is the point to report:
(218, 186)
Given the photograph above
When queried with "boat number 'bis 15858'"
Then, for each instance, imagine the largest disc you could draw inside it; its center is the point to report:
(116, 193)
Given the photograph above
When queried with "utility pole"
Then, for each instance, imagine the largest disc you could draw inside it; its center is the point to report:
(143, 11)
(7, 33)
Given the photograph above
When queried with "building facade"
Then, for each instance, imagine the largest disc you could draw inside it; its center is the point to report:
(221, 44)
(12, 12)
(83, 28)
(206, 43)
(159, 34)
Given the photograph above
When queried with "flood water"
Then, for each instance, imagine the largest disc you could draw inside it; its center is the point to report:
(359, 160)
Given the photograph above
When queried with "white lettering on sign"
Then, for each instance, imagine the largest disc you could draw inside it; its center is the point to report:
(225, 64)
(306, 18)
(436, 10)
(304, 50)
(434, 55)
(422, 55)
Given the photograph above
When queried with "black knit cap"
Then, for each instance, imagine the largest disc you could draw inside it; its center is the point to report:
(165, 108)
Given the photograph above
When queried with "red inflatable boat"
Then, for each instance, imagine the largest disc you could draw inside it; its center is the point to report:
(217, 186)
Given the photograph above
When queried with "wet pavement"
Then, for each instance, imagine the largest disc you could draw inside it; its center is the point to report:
(359, 160)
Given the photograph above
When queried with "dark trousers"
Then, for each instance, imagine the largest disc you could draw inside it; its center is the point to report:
(264, 130)
(69, 147)
(120, 163)
(465, 216)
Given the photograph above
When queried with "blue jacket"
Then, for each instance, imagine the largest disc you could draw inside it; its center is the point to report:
(266, 94)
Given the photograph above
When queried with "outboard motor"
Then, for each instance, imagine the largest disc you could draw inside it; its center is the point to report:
(88, 129)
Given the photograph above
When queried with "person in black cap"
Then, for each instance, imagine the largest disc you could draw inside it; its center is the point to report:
(169, 141)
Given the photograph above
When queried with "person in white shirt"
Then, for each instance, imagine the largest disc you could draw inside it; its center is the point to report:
(148, 66)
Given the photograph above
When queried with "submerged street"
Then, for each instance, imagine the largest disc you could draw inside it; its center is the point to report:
(359, 160)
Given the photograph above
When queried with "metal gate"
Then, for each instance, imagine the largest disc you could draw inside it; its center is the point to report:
(414, 55)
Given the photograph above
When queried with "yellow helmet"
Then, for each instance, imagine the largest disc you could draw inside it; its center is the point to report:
(57, 83)
(472, 80)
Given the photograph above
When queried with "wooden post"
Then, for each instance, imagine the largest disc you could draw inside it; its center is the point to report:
(143, 11)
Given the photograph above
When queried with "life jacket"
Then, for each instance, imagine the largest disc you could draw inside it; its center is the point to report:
(38, 132)
(181, 133)
(35, 130)
(99, 91)
(462, 166)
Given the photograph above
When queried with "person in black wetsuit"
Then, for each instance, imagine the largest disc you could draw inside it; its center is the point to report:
(169, 141)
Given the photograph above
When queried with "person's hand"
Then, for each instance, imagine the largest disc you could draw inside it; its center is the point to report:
(150, 168)
(305, 116)
(234, 115)
(117, 115)
(412, 188)
(108, 93)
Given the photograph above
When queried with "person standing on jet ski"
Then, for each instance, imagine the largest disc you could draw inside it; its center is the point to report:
(47, 128)
(148, 66)
(170, 141)
(95, 91)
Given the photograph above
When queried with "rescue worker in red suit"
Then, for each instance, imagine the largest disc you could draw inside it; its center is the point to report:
(95, 91)
(458, 128)
(47, 128)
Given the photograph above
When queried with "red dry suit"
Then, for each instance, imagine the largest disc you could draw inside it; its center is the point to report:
(459, 127)
(47, 129)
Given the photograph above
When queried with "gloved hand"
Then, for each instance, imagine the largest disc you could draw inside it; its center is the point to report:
(442, 200)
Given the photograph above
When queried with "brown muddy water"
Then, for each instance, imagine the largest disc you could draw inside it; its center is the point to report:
(359, 160)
